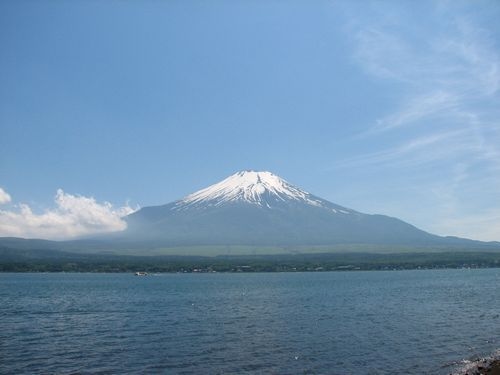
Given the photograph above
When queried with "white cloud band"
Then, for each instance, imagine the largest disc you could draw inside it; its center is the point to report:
(74, 216)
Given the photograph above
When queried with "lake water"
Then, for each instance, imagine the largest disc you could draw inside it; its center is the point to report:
(407, 322)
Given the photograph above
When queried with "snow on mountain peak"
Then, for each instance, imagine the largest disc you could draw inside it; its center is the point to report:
(248, 186)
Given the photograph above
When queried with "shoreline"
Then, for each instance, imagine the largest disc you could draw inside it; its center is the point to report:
(493, 368)
(482, 367)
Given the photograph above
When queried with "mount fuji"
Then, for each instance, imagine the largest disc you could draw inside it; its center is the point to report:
(261, 209)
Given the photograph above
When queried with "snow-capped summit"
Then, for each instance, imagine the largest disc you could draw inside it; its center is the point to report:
(260, 208)
(259, 188)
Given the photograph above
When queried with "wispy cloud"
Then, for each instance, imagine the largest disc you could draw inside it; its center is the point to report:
(73, 216)
(416, 151)
(475, 57)
(426, 107)
(450, 78)
(461, 58)
(446, 117)
(379, 52)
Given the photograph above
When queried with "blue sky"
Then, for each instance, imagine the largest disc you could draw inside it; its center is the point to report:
(385, 107)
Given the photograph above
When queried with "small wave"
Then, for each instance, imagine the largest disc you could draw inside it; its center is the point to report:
(477, 365)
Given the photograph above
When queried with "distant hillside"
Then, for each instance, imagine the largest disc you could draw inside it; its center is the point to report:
(256, 213)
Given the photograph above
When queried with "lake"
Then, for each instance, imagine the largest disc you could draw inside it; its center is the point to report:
(378, 322)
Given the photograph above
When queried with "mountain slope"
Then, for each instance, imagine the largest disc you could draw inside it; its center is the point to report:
(260, 208)
(252, 212)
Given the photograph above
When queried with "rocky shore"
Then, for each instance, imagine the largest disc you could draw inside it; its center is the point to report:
(492, 369)
(485, 368)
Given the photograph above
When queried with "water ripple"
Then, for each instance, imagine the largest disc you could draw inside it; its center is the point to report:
(412, 322)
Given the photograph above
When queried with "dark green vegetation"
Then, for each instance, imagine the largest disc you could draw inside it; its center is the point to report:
(152, 248)
(44, 260)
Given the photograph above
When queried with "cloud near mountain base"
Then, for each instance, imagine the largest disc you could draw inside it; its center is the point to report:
(74, 216)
